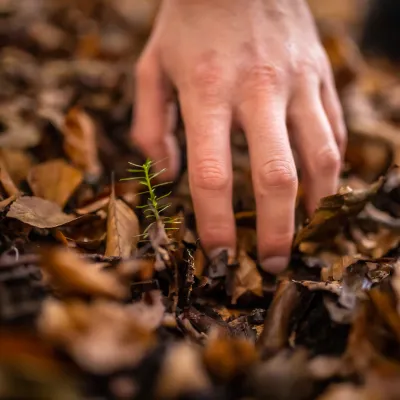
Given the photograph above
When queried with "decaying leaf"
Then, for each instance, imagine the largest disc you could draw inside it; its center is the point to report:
(246, 277)
(334, 211)
(6, 181)
(275, 334)
(6, 202)
(71, 274)
(227, 357)
(54, 181)
(122, 229)
(80, 142)
(39, 213)
(102, 337)
(182, 373)
(17, 163)
(19, 134)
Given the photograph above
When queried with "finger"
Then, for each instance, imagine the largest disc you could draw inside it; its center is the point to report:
(274, 179)
(207, 126)
(333, 110)
(154, 117)
(315, 143)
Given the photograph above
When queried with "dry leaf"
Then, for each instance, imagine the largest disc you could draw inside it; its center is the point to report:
(101, 336)
(276, 325)
(54, 180)
(226, 357)
(6, 181)
(182, 373)
(6, 202)
(19, 134)
(334, 211)
(246, 277)
(149, 312)
(70, 273)
(40, 213)
(80, 142)
(17, 162)
(122, 229)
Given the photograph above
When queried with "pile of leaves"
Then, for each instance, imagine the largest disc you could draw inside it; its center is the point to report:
(95, 304)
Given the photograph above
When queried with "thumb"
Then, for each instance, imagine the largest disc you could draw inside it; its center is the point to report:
(154, 116)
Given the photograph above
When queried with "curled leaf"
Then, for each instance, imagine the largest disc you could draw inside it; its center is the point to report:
(122, 229)
(39, 213)
(72, 274)
(54, 180)
(80, 142)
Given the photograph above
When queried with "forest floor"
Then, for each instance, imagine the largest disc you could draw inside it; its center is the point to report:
(90, 308)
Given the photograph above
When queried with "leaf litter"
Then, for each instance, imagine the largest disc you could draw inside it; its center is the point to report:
(88, 310)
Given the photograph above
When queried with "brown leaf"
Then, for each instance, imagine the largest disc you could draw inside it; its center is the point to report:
(226, 357)
(101, 336)
(40, 213)
(17, 163)
(80, 142)
(72, 274)
(19, 134)
(149, 312)
(6, 181)
(122, 229)
(333, 287)
(54, 180)
(182, 373)
(275, 334)
(246, 277)
(334, 211)
(6, 202)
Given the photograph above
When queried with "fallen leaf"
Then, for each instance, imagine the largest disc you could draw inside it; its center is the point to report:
(149, 312)
(334, 211)
(17, 163)
(19, 134)
(276, 326)
(246, 277)
(6, 181)
(333, 287)
(72, 274)
(80, 142)
(181, 373)
(6, 202)
(226, 357)
(54, 180)
(122, 229)
(40, 213)
(101, 336)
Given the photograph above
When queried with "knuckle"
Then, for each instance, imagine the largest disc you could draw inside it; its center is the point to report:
(264, 75)
(328, 161)
(277, 173)
(211, 175)
(208, 79)
(307, 69)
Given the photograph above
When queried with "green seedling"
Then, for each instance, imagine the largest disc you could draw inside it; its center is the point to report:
(153, 209)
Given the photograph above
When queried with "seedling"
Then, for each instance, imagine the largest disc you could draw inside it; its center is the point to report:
(153, 209)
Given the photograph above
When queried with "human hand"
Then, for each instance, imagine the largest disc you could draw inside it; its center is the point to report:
(258, 64)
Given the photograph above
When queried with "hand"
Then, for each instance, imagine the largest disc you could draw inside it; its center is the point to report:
(258, 64)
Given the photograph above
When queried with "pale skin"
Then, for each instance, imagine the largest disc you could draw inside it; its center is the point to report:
(256, 64)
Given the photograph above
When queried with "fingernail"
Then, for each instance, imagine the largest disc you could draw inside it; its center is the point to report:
(274, 265)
